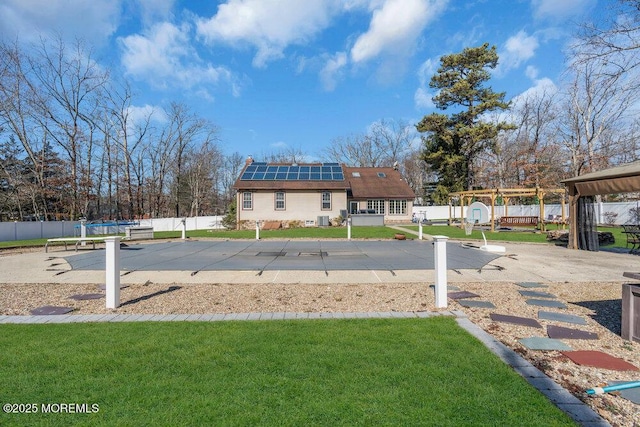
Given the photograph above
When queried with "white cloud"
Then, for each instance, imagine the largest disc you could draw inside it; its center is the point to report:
(395, 25)
(531, 72)
(361, 4)
(517, 49)
(427, 69)
(543, 86)
(155, 10)
(559, 10)
(92, 21)
(279, 144)
(422, 97)
(139, 114)
(330, 73)
(268, 25)
(164, 57)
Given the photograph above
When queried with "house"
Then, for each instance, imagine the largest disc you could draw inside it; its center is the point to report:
(316, 194)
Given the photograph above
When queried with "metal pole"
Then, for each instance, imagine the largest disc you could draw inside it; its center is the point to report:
(113, 271)
(184, 228)
(349, 228)
(440, 258)
(419, 228)
(257, 230)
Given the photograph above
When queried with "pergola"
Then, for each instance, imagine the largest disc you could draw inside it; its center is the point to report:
(620, 179)
(466, 197)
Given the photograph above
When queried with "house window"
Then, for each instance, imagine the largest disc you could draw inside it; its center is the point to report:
(279, 201)
(376, 205)
(247, 201)
(397, 207)
(326, 200)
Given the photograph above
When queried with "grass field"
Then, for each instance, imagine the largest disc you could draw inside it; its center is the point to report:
(270, 373)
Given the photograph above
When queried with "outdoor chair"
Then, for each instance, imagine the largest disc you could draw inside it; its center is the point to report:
(632, 231)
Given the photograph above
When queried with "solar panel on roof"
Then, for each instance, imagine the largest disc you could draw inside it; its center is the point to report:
(260, 171)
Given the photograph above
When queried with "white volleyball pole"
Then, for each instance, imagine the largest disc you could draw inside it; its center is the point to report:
(113, 271)
(440, 258)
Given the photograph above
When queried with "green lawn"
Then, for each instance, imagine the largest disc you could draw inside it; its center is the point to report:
(272, 373)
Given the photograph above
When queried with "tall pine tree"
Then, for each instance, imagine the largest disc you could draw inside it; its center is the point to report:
(453, 142)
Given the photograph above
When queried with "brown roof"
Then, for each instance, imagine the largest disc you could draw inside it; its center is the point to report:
(377, 183)
(371, 183)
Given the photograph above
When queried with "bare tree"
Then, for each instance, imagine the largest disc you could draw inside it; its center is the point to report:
(285, 155)
(232, 164)
(527, 155)
(70, 88)
(201, 165)
(615, 42)
(183, 130)
(597, 103)
(386, 143)
(130, 136)
(19, 117)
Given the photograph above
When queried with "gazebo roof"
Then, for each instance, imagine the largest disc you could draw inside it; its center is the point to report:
(619, 179)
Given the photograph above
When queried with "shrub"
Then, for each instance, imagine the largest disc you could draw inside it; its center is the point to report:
(610, 218)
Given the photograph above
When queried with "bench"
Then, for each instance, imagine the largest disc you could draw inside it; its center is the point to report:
(76, 240)
(522, 221)
(140, 232)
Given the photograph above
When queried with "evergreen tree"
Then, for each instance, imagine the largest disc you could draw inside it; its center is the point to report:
(453, 142)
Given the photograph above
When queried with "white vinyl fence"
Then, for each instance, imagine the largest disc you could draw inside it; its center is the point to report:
(26, 230)
(15, 230)
(619, 212)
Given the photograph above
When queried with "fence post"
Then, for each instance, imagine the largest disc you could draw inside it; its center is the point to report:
(349, 228)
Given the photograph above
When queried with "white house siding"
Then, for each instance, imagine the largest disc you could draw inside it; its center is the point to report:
(299, 206)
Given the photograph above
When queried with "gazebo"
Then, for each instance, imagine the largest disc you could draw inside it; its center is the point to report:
(466, 197)
(583, 188)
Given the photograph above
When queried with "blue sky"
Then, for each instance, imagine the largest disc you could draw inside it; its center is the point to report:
(272, 74)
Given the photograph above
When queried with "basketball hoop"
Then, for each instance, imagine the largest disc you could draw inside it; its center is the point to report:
(468, 228)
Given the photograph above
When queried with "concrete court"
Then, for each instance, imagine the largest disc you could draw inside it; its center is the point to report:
(298, 261)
